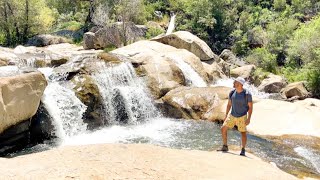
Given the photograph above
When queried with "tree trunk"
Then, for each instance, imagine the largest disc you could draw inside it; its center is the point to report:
(88, 21)
(26, 25)
(6, 26)
(15, 24)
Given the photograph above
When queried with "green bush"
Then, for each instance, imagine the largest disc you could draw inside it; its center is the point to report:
(261, 57)
(153, 32)
(259, 75)
(313, 82)
(304, 46)
(70, 25)
(310, 75)
(109, 48)
(294, 74)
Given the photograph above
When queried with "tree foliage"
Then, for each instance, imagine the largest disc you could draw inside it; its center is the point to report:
(21, 19)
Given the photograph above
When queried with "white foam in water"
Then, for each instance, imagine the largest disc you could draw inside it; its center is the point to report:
(7, 71)
(29, 62)
(192, 77)
(124, 94)
(155, 131)
(254, 90)
(310, 156)
(47, 71)
(66, 110)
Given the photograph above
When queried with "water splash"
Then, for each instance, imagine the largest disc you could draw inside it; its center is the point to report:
(7, 71)
(313, 158)
(125, 97)
(65, 109)
(250, 87)
(47, 72)
(192, 77)
(155, 131)
(28, 62)
(63, 106)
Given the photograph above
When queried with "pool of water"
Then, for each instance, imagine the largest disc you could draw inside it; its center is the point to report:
(293, 157)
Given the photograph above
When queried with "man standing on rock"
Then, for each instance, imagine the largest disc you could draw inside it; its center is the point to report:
(240, 100)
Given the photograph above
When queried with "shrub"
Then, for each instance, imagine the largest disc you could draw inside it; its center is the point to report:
(109, 48)
(263, 58)
(153, 32)
(313, 82)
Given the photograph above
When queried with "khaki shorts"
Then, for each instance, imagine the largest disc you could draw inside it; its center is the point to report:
(240, 122)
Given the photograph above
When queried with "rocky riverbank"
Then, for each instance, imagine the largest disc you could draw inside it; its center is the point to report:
(136, 161)
(61, 91)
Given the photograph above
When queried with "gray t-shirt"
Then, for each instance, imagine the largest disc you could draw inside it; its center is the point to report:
(240, 102)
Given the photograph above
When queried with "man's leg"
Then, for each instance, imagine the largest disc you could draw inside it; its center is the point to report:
(224, 132)
(244, 139)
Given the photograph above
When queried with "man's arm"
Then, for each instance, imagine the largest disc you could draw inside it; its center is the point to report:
(228, 109)
(250, 104)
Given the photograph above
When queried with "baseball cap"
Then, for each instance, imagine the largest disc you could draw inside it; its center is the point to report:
(240, 80)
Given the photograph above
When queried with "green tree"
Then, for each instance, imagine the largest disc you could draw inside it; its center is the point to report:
(129, 11)
(279, 5)
(22, 19)
(279, 32)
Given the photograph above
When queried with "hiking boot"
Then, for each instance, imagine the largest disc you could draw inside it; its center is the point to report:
(243, 152)
(224, 148)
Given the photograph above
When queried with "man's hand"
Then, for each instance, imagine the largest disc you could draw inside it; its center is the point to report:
(247, 121)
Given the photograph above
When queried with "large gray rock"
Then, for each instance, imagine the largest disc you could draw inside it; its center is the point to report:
(46, 40)
(159, 64)
(113, 36)
(190, 42)
(162, 75)
(229, 57)
(194, 103)
(88, 92)
(7, 55)
(20, 98)
(89, 39)
(19, 101)
(214, 71)
(49, 56)
(296, 89)
(245, 71)
(276, 118)
(272, 84)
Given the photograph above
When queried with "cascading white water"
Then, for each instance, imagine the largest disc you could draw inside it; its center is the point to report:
(64, 107)
(29, 62)
(66, 110)
(156, 131)
(7, 71)
(192, 77)
(310, 156)
(124, 94)
(171, 24)
(254, 90)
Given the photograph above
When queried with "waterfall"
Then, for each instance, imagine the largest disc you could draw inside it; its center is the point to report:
(253, 90)
(64, 107)
(124, 94)
(28, 62)
(171, 24)
(192, 77)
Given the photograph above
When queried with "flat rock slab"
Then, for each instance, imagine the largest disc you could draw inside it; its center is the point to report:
(136, 161)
